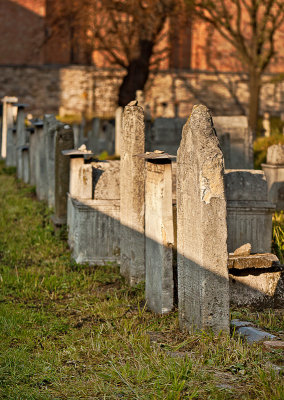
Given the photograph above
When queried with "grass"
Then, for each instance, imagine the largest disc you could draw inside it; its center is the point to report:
(72, 331)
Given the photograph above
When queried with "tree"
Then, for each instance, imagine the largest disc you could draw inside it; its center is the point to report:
(250, 27)
(128, 33)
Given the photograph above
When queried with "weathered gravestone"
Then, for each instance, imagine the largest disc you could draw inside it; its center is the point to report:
(159, 233)
(165, 134)
(64, 140)
(7, 122)
(32, 154)
(238, 148)
(102, 136)
(9, 131)
(274, 172)
(203, 283)
(21, 137)
(249, 213)
(38, 146)
(132, 194)
(50, 126)
(118, 128)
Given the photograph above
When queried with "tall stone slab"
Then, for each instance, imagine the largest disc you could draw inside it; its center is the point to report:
(274, 172)
(159, 234)
(132, 194)
(38, 146)
(9, 131)
(50, 126)
(239, 153)
(64, 140)
(203, 284)
(21, 137)
(7, 121)
(249, 213)
(32, 138)
(118, 128)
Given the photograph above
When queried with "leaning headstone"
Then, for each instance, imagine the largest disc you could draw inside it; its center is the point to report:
(132, 194)
(64, 140)
(240, 155)
(274, 172)
(159, 233)
(249, 213)
(203, 282)
(7, 122)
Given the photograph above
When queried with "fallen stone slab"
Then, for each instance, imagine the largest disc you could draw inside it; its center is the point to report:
(252, 334)
(265, 260)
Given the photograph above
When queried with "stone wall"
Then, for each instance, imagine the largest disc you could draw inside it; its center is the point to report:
(76, 89)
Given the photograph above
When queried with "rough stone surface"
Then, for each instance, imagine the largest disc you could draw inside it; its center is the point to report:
(132, 195)
(253, 261)
(41, 177)
(257, 288)
(94, 234)
(86, 182)
(64, 140)
(273, 345)
(240, 153)
(76, 163)
(244, 250)
(106, 180)
(275, 154)
(249, 213)
(203, 282)
(159, 233)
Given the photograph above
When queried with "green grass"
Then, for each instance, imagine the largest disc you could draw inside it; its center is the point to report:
(72, 331)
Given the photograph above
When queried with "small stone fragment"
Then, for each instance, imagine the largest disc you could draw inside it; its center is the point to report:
(243, 250)
(159, 151)
(274, 345)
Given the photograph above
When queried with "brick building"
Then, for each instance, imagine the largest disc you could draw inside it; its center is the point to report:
(75, 78)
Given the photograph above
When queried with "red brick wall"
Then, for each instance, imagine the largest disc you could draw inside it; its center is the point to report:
(22, 31)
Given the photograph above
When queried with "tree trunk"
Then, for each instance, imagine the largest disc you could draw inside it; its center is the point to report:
(254, 93)
(137, 74)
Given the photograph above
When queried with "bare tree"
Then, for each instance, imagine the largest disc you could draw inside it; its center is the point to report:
(128, 34)
(250, 26)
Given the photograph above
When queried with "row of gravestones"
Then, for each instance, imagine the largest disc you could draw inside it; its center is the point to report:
(170, 224)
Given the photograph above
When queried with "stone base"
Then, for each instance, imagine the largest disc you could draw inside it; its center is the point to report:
(58, 222)
(94, 230)
(255, 283)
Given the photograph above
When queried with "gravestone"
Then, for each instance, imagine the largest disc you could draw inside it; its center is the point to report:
(9, 131)
(21, 137)
(7, 121)
(274, 172)
(240, 154)
(102, 136)
(159, 233)
(38, 146)
(118, 128)
(203, 283)
(25, 164)
(165, 134)
(132, 194)
(266, 124)
(50, 126)
(64, 140)
(249, 213)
